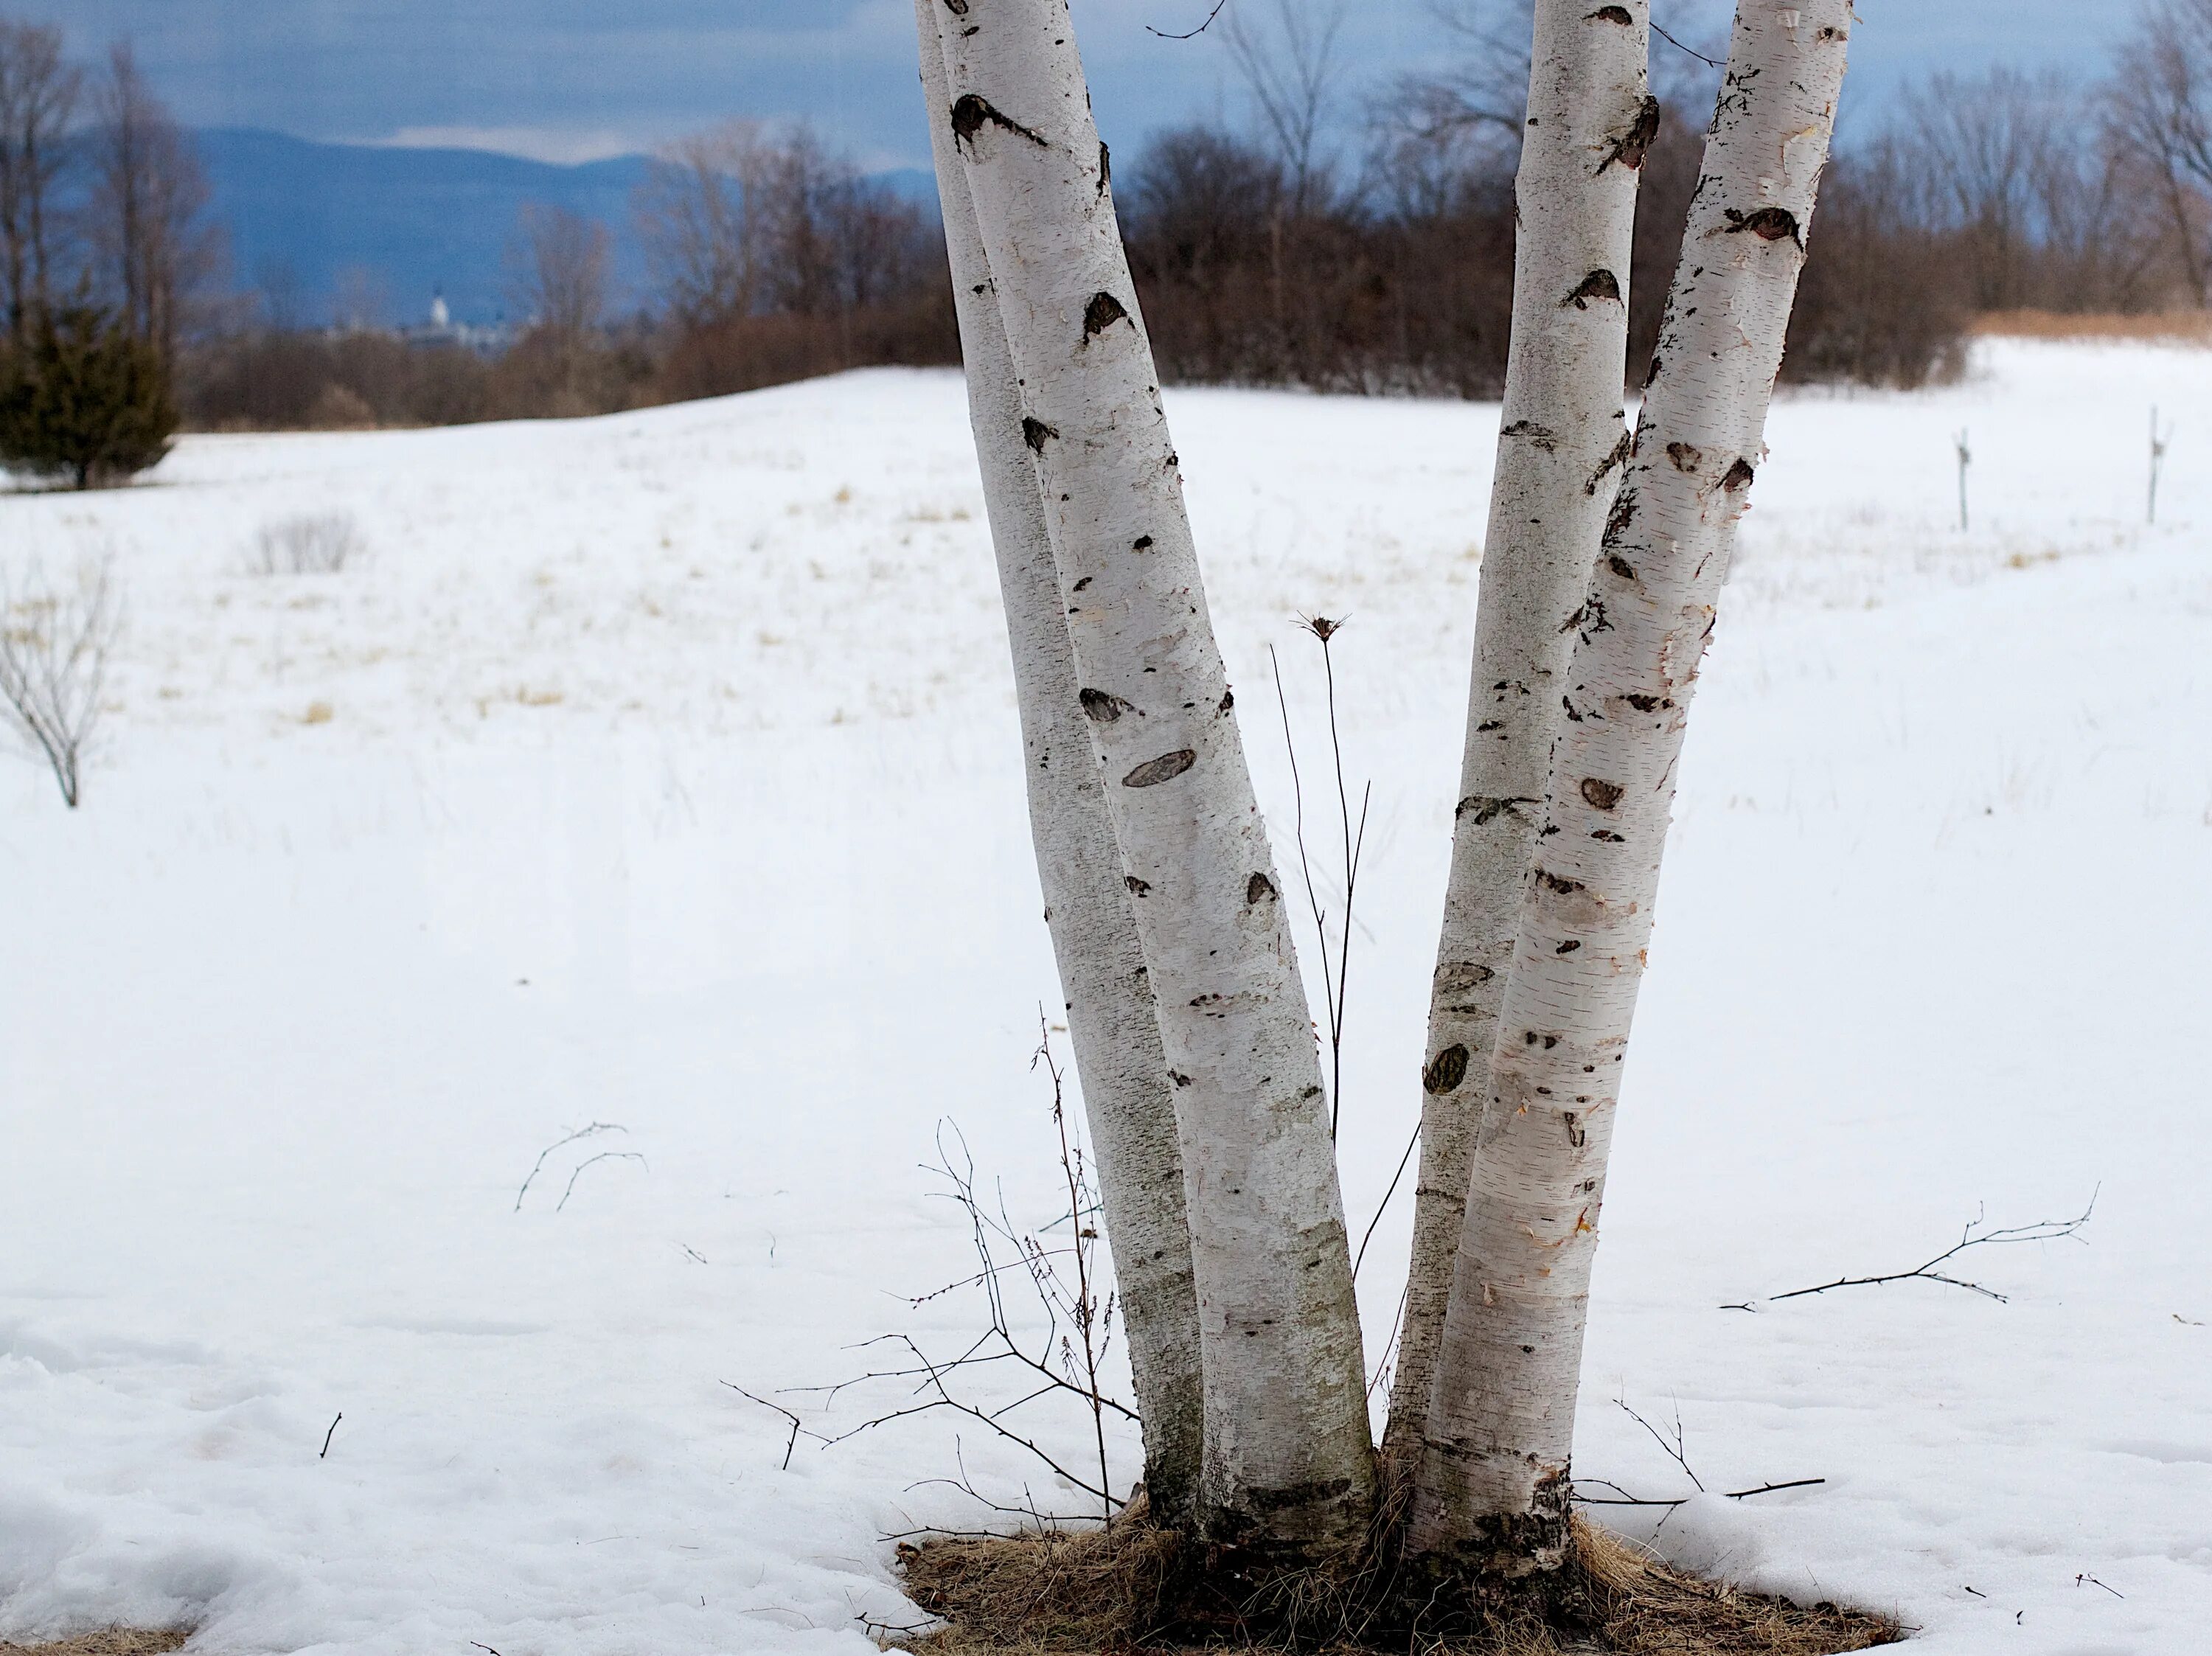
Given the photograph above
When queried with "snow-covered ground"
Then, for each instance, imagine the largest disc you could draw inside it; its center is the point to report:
(660, 770)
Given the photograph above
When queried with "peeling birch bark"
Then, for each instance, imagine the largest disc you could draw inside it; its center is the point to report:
(1128, 1098)
(1288, 1464)
(1495, 1482)
(1561, 444)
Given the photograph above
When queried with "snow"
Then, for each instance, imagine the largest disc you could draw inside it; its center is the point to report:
(662, 771)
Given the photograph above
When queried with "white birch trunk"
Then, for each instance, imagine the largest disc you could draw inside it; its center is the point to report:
(1494, 1483)
(1561, 446)
(1127, 1099)
(1288, 1463)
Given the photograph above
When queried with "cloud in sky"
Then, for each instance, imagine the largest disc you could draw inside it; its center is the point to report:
(578, 79)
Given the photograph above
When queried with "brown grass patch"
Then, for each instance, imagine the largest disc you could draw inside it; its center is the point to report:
(2164, 327)
(109, 1641)
(1141, 1589)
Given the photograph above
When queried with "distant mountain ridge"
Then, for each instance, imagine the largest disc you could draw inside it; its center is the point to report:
(419, 223)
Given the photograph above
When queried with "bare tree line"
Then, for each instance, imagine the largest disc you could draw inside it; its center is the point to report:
(102, 199)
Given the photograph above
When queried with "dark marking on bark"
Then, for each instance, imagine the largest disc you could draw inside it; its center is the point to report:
(1590, 616)
(1036, 433)
(1603, 14)
(1603, 796)
(1652, 378)
(1543, 436)
(1179, 1079)
(1084, 582)
(1488, 724)
(1620, 566)
(1165, 769)
(1568, 947)
(1598, 284)
(1768, 224)
(1102, 314)
(1568, 708)
(972, 114)
(1609, 837)
(1444, 1073)
(1142, 543)
(1105, 166)
(1576, 1135)
(1623, 512)
(1631, 147)
(1645, 703)
(1259, 888)
(1559, 882)
(1488, 811)
(1685, 455)
(1103, 707)
(1137, 888)
(958, 7)
(1621, 451)
(1457, 977)
(1738, 477)
(1228, 700)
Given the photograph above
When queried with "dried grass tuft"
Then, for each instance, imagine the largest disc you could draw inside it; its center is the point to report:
(1137, 1588)
(2159, 327)
(108, 1641)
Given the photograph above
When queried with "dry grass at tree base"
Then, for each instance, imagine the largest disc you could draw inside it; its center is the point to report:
(110, 1641)
(1132, 1589)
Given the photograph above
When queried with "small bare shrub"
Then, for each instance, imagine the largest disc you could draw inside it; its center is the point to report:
(54, 649)
(307, 543)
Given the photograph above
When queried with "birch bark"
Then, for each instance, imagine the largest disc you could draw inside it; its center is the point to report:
(1494, 1483)
(1561, 443)
(1288, 1462)
(1128, 1097)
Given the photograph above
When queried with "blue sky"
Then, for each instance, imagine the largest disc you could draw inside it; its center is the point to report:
(577, 79)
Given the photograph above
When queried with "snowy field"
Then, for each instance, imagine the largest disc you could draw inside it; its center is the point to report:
(661, 770)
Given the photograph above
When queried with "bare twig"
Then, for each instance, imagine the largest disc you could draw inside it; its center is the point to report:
(1710, 63)
(604, 1155)
(1622, 1498)
(1193, 33)
(328, 1436)
(798, 1427)
(2043, 1231)
(592, 1130)
(1404, 1162)
(1336, 974)
(2091, 1580)
(1674, 1450)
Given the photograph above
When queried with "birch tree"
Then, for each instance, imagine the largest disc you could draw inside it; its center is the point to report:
(1128, 1097)
(1288, 1463)
(1494, 1483)
(1562, 441)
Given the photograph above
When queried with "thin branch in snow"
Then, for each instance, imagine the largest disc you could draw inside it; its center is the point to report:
(797, 1425)
(1622, 1498)
(2042, 1230)
(604, 1155)
(328, 1436)
(590, 1129)
(1674, 1450)
(2092, 1580)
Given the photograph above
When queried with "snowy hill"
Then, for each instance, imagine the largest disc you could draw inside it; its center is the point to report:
(660, 771)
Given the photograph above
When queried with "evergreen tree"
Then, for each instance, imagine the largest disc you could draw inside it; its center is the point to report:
(85, 400)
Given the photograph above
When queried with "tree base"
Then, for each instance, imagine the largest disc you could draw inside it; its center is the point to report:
(1140, 1587)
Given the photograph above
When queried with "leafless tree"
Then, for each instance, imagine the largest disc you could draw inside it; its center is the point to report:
(55, 643)
(1289, 64)
(557, 271)
(2158, 118)
(155, 252)
(39, 96)
(697, 216)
